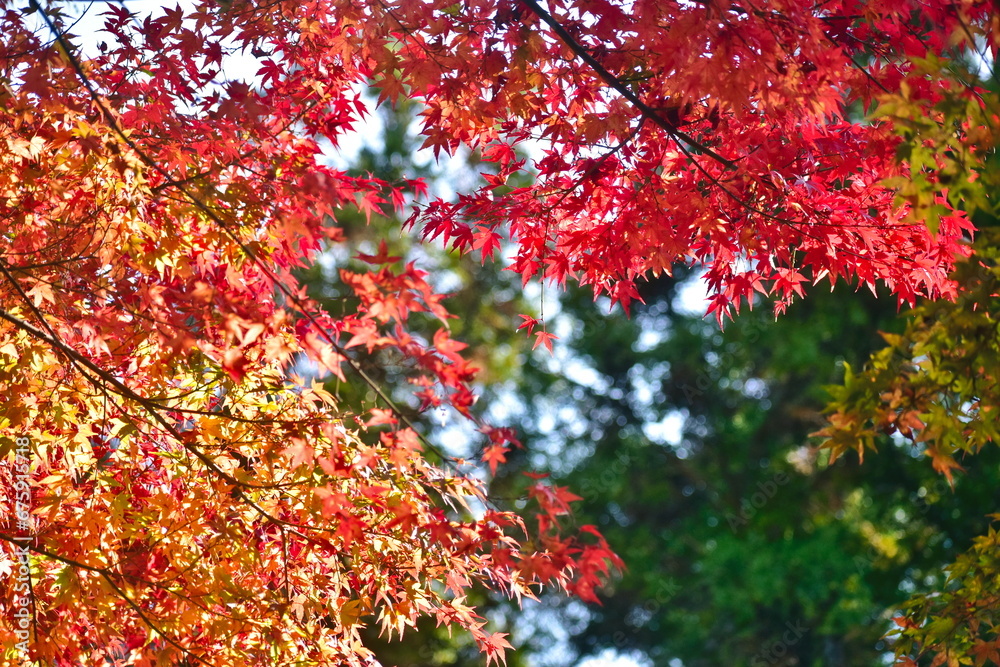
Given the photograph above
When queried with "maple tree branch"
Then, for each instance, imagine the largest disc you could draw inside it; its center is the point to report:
(23, 268)
(106, 574)
(651, 114)
(284, 564)
(794, 224)
(616, 83)
(126, 392)
(75, 358)
(243, 420)
(150, 406)
(596, 165)
(249, 252)
(204, 174)
(145, 619)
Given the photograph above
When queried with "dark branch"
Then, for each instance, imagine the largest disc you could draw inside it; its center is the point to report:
(287, 292)
(618, 85)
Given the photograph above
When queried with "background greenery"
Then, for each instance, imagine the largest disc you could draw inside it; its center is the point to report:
(745, 544)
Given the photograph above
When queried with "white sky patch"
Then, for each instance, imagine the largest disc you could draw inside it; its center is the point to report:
(692, 296)
(648, 339)
(667, 431)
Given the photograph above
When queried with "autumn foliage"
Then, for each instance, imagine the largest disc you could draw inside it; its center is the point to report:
(197, 497)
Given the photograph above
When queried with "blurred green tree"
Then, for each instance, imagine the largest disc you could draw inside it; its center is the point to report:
(691, 448)
(746, 544)
(488, 299)
(934, 385)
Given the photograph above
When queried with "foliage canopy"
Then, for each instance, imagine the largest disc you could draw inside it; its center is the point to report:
(190, 479)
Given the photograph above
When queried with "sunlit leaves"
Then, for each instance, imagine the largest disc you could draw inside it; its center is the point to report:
(959, 624)
(195, 497)
(935, 385)
(730, 151)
